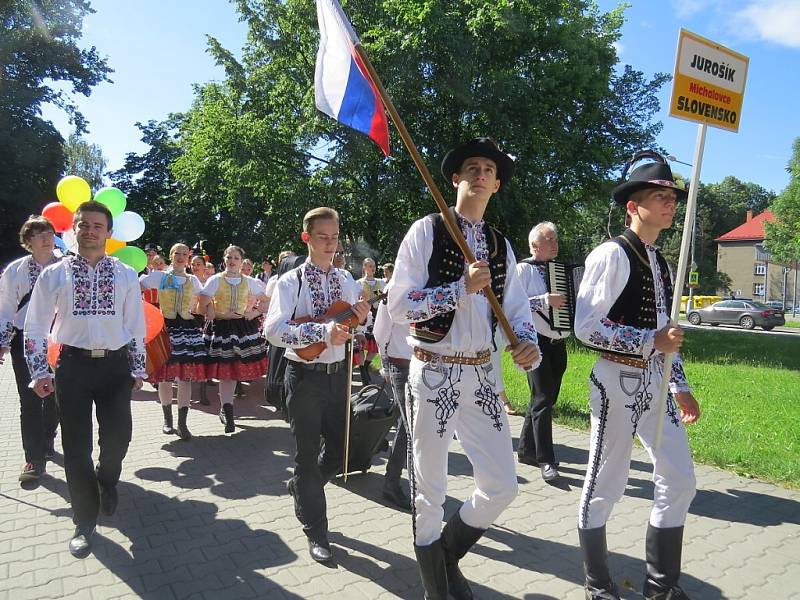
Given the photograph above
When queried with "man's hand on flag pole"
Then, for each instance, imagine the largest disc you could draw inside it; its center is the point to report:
(669, 339)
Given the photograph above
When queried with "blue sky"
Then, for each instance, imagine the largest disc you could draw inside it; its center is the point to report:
(157, 49)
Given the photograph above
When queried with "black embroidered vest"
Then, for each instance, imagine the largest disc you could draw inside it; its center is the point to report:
(446, 265)
(636, 305)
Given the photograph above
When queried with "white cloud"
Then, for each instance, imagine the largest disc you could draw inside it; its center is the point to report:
(619, 48)
(776, 21)
(688, 8)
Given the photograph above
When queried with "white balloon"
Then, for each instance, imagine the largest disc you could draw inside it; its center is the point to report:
(128, 226)
(69, 240)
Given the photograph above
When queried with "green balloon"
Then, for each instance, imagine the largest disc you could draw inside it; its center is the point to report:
(133, 257)
(113, 198)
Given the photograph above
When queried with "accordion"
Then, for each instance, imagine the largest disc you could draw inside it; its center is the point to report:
(563, 278)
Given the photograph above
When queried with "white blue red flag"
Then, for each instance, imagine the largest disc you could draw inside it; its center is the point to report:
(342, 87)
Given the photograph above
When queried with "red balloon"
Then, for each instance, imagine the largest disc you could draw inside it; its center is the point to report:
(153, 320)
(59, 215)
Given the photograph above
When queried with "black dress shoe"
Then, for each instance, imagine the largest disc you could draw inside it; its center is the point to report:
(319, 552)
(395, 494)
(549, 472)
(527, 460)
(81, 543)
(108, 499)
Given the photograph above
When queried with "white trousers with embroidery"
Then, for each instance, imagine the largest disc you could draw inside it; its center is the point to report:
(622, 400)
(461, 400)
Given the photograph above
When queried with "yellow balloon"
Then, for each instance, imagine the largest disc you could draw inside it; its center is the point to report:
(72, 191)
(114, 245)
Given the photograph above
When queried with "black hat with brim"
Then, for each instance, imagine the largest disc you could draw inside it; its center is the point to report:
(485, 147)
(651, 175)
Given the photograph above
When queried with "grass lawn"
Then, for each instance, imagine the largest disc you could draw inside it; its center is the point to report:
(748, 386)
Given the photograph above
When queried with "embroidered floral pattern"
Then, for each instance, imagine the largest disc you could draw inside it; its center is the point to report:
(5, 334)
(527, 333)
(34, 270)
(137, 359)
(475, 233)
(678, 381)
(487, 399)
(92, 293)
(436, 301)
(320, 302)
(642, 400)
(446, 400)
(617, 337)
(538, 303)
(303, 334)
(36, 357)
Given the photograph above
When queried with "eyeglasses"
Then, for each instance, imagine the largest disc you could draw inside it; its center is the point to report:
(43, 235)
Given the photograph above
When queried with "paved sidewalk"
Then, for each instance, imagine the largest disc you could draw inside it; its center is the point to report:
(210, 518)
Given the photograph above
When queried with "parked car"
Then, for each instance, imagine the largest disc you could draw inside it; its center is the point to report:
(778, 305)
(745, 313)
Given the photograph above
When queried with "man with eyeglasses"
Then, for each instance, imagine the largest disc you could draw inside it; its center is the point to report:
(38, 416)
(99, 324)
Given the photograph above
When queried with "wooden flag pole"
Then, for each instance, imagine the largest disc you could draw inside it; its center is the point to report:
(452, 227)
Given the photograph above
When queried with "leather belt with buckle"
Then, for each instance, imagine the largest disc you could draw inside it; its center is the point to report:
(480, 358)
(92, 353)
(629, 361)
(327, 368)
(552, 340)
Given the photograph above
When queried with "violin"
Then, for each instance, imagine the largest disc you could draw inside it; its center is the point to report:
(339, 312)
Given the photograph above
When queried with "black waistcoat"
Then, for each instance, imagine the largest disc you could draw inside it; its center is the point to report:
(636, 305)
(446, 265)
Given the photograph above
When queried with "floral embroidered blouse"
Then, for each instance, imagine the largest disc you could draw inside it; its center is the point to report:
(96, 307)
(17, 280)
(606, 274)
(319, 290)
(410, 301)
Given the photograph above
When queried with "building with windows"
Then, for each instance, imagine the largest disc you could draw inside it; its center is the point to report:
(742, 256)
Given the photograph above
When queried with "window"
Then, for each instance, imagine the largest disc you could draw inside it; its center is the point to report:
(761, 269)
(758, 289)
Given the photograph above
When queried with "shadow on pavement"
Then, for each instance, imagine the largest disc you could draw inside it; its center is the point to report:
(183, 544)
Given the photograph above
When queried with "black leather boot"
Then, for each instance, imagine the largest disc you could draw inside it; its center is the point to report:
(226, 418)
(599, 585)
(663, 548)
(457, 539)
(167, 428)
(183, 431)
(432, 570)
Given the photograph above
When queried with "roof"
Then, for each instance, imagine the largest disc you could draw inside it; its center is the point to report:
(751, 230)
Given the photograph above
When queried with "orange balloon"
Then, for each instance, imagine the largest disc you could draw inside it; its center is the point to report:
(53, 351)
(153, 320)
(114, 245)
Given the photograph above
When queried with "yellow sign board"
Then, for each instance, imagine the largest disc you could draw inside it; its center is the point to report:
(708, 84)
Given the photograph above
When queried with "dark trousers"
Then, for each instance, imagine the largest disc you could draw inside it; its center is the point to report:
(106, 382)
(316, 405)
(38, 417)
(536, 437)
(398, 458)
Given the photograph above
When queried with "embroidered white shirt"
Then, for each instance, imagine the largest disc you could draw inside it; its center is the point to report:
(390, 336)
(533, 283)
(96, 307)
(17, 280)
(319, 290)
(471, 330)
(606, 274)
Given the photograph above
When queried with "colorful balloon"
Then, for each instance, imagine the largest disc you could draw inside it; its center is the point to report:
(60, 244)
(113, 198)
(153, 321)
(133, 257)
(69, 240)
(72, 191)
(128, 226)
(114, 245)
(58, 215)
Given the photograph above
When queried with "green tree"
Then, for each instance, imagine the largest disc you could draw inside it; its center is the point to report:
(539, 76)
(84, 160)
(38, 46)
(783, 236)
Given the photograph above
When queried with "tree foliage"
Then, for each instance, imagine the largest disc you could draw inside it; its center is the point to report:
(38, 46)
(538, 76)
(84, 160)
(783, 236)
